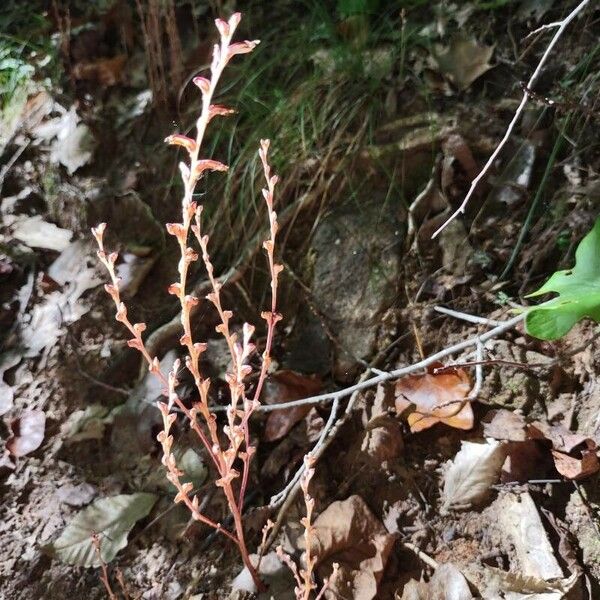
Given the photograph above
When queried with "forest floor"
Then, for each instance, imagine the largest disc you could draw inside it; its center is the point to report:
(380, 115)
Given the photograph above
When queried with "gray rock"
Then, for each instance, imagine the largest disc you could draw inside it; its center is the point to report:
(357, 253)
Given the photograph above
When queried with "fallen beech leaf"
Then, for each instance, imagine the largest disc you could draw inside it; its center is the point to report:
(470, 475)
(562, 439)
(576, 468)
(27, 433)
(440, 398)
(285, 386)
(464, 60)
(348, 533)
(447, 583)
(574, 454)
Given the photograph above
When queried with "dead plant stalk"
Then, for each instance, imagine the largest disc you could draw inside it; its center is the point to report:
(236, 431)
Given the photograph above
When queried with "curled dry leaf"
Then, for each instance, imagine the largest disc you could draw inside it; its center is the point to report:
(561, 438)
(518, 586)
(285, 386)
(574, 454)
(471, 474)
(348, 533)
(440, 398)
(27, 433)
(577, 468)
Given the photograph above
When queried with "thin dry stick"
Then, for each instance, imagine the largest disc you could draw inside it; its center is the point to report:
(562, 25)
(331, 429)
(279, 498)
(386, 376)
(466, 317)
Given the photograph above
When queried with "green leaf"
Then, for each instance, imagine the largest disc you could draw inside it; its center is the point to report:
(111, 518)
(578, 289)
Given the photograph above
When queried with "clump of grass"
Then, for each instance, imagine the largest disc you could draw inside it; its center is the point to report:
(327, 99)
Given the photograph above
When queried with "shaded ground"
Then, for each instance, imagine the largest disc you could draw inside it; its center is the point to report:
(379, 116)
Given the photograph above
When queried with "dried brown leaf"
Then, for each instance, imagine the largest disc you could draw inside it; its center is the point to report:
(562, 439)
(471, 474)
(505, 425)
(286, 386)
(576, 468)
(440, 398)
(348, 533)
(447, 583)
(104, 71)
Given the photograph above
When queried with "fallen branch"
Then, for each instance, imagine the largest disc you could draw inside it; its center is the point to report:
(562, 25)
(387, 375)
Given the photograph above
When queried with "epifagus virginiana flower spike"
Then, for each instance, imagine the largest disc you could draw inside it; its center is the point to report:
(223, 27)
(234, 21)
(234, 443)
(98, 232)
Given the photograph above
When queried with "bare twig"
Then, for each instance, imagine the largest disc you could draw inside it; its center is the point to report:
(430, 562)
(466, 317)
(478, 372)
(387, 376)
(279, 498)
(562, 25)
